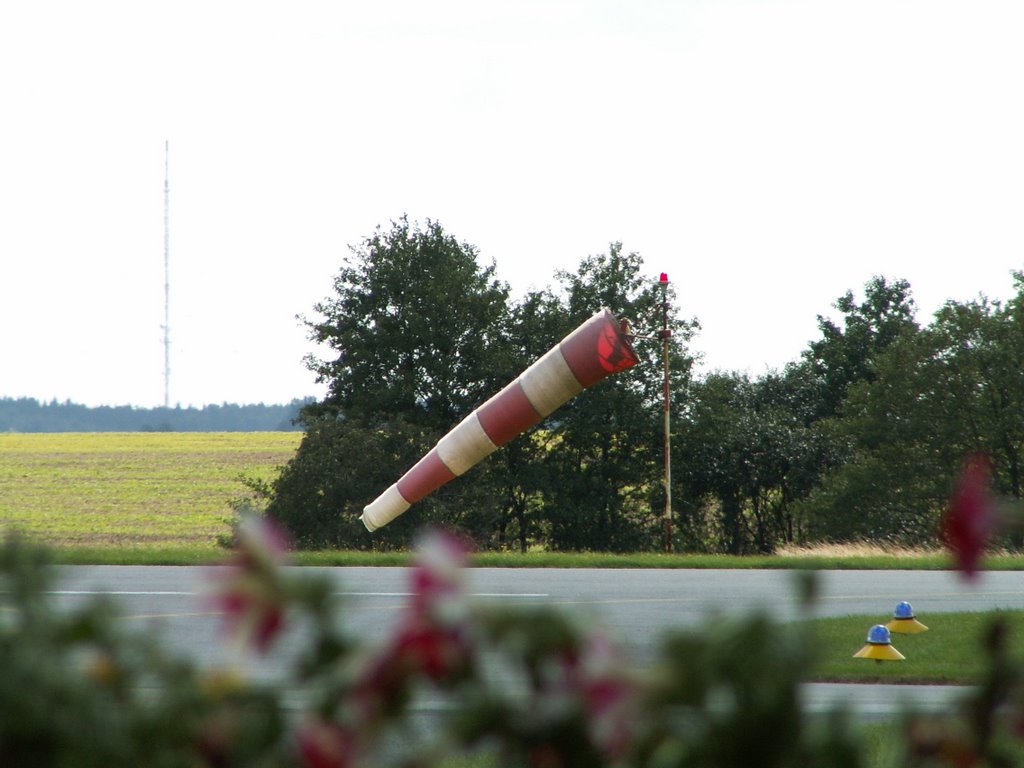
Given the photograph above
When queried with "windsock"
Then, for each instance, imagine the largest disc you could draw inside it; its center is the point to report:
(593, 351)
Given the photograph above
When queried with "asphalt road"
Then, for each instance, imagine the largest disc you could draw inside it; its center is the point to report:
(634, 607)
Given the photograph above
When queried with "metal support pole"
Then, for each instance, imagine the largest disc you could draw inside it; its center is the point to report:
(167, 277)
(666, 334)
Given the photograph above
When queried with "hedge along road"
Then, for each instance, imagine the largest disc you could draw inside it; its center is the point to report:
(635, 607)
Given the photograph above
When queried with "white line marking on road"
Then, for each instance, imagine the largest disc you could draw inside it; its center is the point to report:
(471, 594)
(174, 593)
(120, 592)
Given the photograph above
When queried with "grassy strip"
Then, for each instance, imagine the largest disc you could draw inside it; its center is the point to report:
(933, 562)
(179, 555)
(950, 652)
(189, 555)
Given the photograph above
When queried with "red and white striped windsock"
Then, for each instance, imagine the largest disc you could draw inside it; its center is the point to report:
(593, 351)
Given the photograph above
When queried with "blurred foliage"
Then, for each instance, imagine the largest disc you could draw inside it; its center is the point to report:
(77, 689)
(531, 686)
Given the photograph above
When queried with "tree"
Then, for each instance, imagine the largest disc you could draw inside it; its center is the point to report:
(607, 453)
(952, 389)
(421, 336)
(413, 326)
(846, 355)
(519, 470)
(755, 448)
(983, 342)
(783, 431)
(341, 465)
(748, 457)
(416, 329)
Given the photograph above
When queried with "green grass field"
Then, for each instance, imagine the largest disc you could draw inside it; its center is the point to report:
(131, 490)
(951, 651)
(165, 497)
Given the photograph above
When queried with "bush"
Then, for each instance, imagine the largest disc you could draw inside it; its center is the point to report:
(339, 468)
(78, 689)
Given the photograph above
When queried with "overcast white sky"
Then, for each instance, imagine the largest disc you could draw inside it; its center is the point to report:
(767, 155)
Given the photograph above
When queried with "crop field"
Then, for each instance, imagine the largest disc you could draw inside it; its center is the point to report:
(132, 489)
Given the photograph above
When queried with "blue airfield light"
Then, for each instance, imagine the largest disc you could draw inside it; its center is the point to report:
(904, 622)
(879, 646)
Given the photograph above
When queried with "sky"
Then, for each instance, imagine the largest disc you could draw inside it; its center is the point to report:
(769, 155)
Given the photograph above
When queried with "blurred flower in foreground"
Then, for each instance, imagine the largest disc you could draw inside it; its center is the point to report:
(970, 519)
(438, 577)
(431, 639)
(250, 592)
(597, 676)
(324, 745)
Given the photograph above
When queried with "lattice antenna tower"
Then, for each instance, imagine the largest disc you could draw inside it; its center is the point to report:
(167, 278)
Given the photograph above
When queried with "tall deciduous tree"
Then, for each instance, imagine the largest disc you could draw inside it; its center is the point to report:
(845, 355)
(415, 324)
(607, 456)
(748, 456)
(954, 388)
(755, 448)
(519, 471)
(340, 466)
(421, 335)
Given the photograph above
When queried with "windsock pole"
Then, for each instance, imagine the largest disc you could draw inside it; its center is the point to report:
(665, 335)
(595, 350)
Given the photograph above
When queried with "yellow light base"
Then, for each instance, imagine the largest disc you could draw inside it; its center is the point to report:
(909, 626)
(879, 652)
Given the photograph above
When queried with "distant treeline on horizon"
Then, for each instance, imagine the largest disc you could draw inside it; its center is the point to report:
(26, 414)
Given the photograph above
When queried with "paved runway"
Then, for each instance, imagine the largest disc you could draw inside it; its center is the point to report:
(634, 606)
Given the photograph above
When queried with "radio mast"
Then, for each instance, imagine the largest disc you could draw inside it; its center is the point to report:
(167, 279)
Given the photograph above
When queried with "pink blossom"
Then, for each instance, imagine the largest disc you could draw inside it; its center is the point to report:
(256, 617)
(970, 519)
(431, 638)
(595, 675)
(249, 592)
(544, 756)
(324, 745)
(431, 635)
(438, 574)
(260, 544)
(416, 650)
(432, 651)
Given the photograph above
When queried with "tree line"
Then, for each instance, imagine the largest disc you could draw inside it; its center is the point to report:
(25, 414)
(858, 439)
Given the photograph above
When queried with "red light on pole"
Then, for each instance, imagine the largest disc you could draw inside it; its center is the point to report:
(663, 278)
